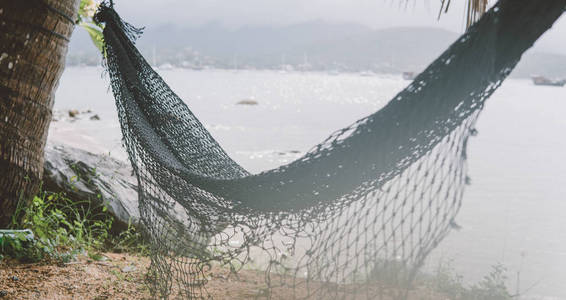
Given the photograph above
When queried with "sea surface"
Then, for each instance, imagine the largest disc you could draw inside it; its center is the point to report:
(514, 212)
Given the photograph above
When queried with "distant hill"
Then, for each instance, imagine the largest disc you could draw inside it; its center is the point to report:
(387, 50)
(325, 46)
(546, 64)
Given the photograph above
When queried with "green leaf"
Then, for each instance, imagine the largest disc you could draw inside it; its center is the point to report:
(95, 35)
(37, 200)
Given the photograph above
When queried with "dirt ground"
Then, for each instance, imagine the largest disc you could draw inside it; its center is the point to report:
(119, 276)
(122, 276)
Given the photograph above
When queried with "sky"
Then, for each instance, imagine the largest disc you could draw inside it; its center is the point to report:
(376, 14)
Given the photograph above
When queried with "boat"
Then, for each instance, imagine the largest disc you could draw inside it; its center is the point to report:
(409, 75)
(541, 80)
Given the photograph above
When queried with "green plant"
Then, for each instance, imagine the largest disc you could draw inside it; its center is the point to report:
(130, 240)
(446, 282)
(62, 228)
(74, 223)
(390, 273)
(96, 256)
(17, 245)
(87, 9)
(492, 286)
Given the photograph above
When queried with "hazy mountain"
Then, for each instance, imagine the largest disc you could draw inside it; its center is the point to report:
(348, 47)
(546, 64)
(390, 50)
(247, 44)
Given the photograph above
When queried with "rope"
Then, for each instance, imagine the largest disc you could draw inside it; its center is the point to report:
(57, 11)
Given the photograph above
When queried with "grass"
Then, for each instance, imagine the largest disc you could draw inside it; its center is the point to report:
(63, 228)
(447, 282)
(444, 281)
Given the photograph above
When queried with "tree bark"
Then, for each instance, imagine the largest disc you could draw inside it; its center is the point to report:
(34, 36)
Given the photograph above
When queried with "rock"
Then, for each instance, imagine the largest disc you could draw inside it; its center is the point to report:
(101, 179)
(73, 113)
(247, 102)
(98, 178)
(95, 118)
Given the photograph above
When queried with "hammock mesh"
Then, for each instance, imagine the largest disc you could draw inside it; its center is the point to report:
(354, 218)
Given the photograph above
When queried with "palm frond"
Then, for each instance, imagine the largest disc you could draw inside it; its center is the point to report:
(474, 9)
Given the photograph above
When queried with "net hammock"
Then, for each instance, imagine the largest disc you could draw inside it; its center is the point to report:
(355, 217)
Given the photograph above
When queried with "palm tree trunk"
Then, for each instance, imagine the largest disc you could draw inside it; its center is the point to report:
(34, 35)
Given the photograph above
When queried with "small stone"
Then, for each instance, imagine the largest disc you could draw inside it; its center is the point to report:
(234, 242)
(73, 113)
(248, 102)
(128, 269)
(95, 118)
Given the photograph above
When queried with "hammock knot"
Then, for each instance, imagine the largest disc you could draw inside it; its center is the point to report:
(109, 17)
(104, 13)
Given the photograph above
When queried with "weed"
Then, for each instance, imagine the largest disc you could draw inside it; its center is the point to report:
(18, 245)
(447, 282)
(96, 256)
(62, 229)
(492, 287)
(118, 275)
(130, 240)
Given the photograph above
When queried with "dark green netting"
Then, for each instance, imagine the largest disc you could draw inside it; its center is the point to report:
(356, 215)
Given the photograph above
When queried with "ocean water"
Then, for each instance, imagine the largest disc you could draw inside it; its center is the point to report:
(514, 213)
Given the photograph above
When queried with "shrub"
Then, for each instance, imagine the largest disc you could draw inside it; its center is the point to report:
(62, 228)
